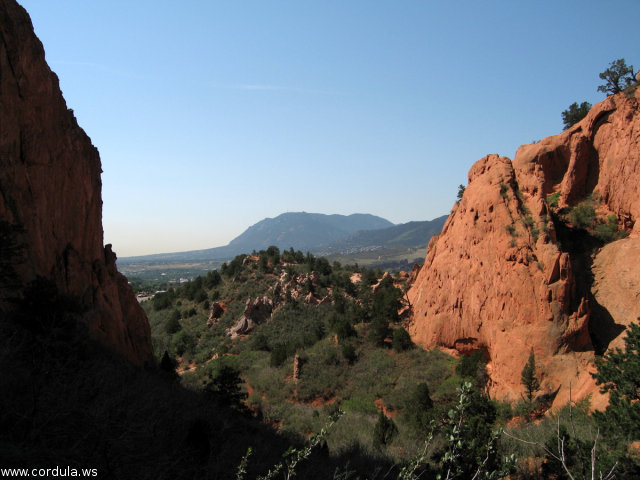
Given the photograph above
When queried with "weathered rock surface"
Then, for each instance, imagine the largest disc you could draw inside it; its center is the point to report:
(215, 312)
(505, 278)
(50, 197)
(255, 312)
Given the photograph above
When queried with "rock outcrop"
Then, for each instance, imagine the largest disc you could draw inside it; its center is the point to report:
(50, 197)
(255, 312)
(215, 312)
(507, 274)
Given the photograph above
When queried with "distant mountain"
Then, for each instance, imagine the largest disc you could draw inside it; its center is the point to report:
(411, 234)
(304, 231)
(300, 230)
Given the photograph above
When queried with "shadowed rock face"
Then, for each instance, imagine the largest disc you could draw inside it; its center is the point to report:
(504, 277)
(50, 197)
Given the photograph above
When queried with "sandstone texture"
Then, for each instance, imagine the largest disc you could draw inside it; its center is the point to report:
(508, 274)
(50, 197)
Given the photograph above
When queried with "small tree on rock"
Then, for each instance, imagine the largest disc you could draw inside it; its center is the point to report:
(575, 113)
(618, 77)
(529, 378)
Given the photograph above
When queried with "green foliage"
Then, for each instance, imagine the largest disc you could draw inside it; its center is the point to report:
(504, 188)
(618, 77)
(418, 409)
(349, 353)
(173, 323)
(279, 354)
(619, 375)
(401, 340)
(212, 279)
(473, 367)
(259, 341)
(225, 384)
(575, 113)
(461, 189)
(162, 300)
(553, 199)
(183, 343)
(583, 215)
(379, 331)
(234, 267)
(470, 445)
(342, 327)
(387, 300)
(608, 231)
(529, 377)
(384, 431)
(363, 405)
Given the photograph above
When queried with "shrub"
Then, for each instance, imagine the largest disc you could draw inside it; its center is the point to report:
(503, 190)
(162, 301)
(360, 405)
(401, 340)
(349, 353)
(379, 331)
(279, 355)
(553, 199)
(342, 327)
(173, 323)
(473, 367)
(384, 431)
(583, 215)
(609, 231)
(418, 409)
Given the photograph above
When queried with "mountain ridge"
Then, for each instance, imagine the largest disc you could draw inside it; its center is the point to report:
(304, 231)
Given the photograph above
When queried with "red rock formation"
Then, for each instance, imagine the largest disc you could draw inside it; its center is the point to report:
(501, 278)
(50, 202)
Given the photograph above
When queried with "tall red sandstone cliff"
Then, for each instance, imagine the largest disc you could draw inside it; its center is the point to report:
(50, 196)
(504, 277)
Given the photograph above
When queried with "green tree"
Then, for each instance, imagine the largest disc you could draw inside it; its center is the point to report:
(618, 77)
(387, 300)
(473, 367)
(575, 113)
(168, 364)
(379, 331)
(529, 378)
(470, 449)
(418, 409)
(279, 354)
(349, 353)
(619, 375)
(173, 324)
(401, 340)
(225, 384)
(461, 189)
(384, 431)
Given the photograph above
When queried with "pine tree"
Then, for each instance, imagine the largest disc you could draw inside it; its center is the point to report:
(529, 378)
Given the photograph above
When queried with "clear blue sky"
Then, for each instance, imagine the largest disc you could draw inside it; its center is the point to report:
(212, 115)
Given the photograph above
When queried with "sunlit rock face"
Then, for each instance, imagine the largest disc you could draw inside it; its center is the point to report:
(504, 278)
(50, 197)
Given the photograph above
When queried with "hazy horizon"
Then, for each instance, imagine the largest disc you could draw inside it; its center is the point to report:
(211, 116)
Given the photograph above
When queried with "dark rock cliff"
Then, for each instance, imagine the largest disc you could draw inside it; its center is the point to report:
(50, 198)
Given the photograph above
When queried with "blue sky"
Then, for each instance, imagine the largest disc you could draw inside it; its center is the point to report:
(212, 115)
